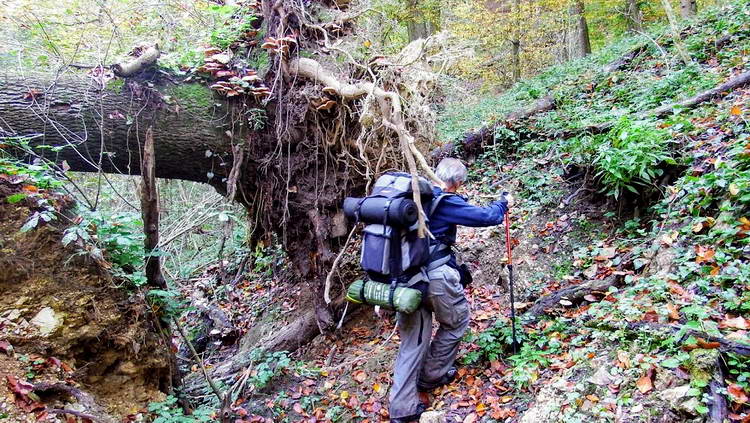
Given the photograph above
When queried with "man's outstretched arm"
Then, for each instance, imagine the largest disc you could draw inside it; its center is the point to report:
(458, 211)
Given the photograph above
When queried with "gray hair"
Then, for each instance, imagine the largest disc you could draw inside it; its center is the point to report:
(451, 171)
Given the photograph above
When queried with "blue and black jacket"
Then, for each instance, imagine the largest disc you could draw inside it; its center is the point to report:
(453, 210)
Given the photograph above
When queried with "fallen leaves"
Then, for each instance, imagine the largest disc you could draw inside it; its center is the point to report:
(645, 383)
(360, 376)
(737, 393)
(738, 322)
(704, 254)
(673, 312)
(23, 393)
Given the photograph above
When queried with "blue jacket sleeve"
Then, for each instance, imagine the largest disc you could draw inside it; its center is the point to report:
(457, 211)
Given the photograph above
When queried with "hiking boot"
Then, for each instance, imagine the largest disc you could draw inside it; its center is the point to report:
(447, 378)
(414, 417)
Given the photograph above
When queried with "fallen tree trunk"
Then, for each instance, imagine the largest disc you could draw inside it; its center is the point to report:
(725, 345)
(720, 90)
(574, 294)
(92, 128)
(472, 142)
(625, 59)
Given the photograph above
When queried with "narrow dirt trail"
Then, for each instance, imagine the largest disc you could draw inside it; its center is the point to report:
(357, 361)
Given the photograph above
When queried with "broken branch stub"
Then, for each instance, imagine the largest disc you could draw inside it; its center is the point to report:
(147, 58)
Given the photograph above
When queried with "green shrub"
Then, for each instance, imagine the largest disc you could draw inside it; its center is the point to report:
(631, 155)
(168, 411)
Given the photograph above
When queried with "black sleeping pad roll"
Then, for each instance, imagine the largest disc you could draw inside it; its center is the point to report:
(402, 211)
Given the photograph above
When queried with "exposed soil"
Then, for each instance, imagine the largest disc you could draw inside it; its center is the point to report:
(54, 303)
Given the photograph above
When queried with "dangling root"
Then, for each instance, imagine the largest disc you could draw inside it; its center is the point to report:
(390, 105)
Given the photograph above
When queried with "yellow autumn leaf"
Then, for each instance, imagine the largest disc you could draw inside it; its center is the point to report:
(344, 395)
(376, 387)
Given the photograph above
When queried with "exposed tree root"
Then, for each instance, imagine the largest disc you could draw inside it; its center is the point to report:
(390, 107)
(92, 410)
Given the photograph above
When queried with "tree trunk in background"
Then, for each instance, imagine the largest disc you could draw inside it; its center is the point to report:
(634, 16)
(582, 40)
(564, 51)
(419, 26)
(676, 32)
(105, 127)
(688, 8)
(515, 43)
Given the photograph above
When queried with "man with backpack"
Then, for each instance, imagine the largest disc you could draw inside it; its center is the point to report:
(424, 364)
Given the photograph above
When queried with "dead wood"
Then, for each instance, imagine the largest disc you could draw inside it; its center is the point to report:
(147, 58)
(725, 345)
(150, 212)
(78, 414)
(718, 409)
(92, 410)
(302, 330)
(625, 59)
(720, 90)
(473, 141)
(574, 294)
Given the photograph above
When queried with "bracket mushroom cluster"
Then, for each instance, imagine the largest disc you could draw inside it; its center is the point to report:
(325, 102)
(231, 82)
(279, 45)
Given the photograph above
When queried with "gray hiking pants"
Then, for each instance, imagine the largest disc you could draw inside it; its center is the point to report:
(420, 359)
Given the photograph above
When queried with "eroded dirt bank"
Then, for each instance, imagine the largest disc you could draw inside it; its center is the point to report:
(65, 321)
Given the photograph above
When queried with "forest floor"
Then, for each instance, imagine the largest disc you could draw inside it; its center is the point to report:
(643, 227)
(631, 251)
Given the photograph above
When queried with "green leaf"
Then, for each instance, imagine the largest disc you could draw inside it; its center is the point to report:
(670, 363)
(69, 237)
(15, 198)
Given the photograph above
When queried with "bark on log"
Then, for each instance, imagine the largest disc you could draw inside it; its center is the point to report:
(102, 127)
(473, 141)
(302, 330)
(725, 345)
(573, 294)
(625, 59)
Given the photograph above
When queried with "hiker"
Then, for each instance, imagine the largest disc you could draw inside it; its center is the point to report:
(424, 364)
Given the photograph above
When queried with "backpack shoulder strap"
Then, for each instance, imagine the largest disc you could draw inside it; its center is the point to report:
(436, 201)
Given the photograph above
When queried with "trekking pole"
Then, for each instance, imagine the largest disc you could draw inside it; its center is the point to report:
(510, 282)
